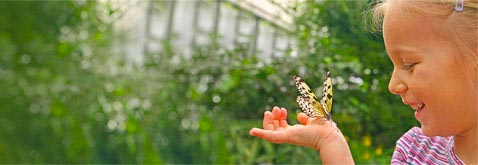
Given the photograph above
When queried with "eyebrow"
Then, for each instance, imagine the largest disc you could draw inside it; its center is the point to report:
(401, 51)
(404, 50)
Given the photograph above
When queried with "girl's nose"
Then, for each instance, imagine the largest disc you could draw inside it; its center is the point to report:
(396, 85)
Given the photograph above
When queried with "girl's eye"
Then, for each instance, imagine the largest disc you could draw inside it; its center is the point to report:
(408, 66)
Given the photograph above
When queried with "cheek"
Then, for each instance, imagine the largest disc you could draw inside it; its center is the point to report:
(447, 91)
(434, 87)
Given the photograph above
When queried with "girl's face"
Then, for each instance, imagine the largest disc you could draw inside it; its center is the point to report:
(430, 74)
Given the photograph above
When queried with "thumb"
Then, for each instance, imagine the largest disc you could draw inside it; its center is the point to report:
(302, 118)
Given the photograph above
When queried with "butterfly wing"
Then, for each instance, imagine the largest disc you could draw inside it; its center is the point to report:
(327, 93)
(311, 107)
(302, 87)
(308, 101)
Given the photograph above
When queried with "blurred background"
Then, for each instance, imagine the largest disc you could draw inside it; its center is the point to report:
(183, 81)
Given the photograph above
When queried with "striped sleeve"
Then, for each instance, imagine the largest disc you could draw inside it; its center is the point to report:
(400, 153)
(398, 156)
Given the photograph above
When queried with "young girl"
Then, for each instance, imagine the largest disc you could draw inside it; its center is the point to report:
(433, 47)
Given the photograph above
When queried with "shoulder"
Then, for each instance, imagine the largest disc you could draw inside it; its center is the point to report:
(415, 138)
(415, 147)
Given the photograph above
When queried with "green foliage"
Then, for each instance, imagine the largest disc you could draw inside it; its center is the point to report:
(69, 97)
(63, 101)
(334, 32)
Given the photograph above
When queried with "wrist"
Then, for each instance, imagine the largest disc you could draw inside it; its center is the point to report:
(331, 138)
(329, 134)
(333, 148)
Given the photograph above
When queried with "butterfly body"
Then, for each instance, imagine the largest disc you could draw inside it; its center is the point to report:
(310, 104)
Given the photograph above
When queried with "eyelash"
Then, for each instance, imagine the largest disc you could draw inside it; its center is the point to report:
(408, 66)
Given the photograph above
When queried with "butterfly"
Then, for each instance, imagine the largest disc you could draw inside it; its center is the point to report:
(310, 103)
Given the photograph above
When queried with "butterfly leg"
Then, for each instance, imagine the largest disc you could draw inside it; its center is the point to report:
(323, 121)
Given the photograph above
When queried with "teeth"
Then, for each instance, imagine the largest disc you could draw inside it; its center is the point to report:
(418, 106)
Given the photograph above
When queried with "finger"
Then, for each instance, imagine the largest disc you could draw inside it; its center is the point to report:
(316, 120)
(275, 124)
(306, 120)
(253, 131)
(267, 121)
(283, 118)
(276, 113)
(302, 118)
(271, 136)
(283, 114)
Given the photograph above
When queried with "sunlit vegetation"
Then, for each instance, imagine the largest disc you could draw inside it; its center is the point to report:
(66, 95)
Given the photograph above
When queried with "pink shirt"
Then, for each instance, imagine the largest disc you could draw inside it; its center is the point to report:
(415, 148)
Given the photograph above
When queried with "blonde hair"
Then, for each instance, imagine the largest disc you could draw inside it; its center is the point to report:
(463, 24)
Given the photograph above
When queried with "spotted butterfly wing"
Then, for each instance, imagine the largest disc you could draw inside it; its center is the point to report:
(327, 92)
(310, 103)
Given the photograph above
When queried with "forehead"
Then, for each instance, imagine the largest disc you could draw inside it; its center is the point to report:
(404, 27)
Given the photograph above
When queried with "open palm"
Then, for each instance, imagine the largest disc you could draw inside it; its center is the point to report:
(320, 134)
(309, 133)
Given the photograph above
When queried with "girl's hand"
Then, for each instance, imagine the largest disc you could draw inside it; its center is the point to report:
(322, 135)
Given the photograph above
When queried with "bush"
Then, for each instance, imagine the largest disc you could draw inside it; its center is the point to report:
(69, 97)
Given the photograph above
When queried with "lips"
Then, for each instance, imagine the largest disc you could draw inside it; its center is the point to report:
(415, 104)
(418, 110)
